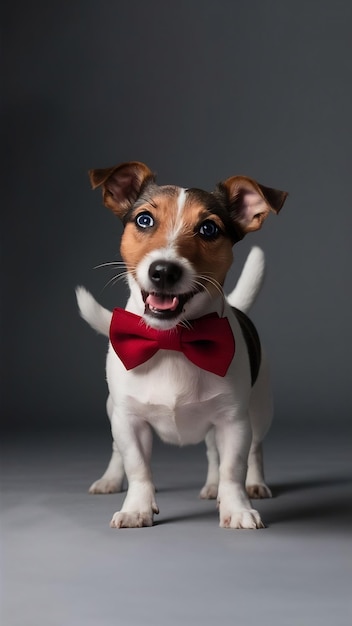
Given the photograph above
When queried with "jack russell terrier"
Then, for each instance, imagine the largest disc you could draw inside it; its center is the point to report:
(181, 360)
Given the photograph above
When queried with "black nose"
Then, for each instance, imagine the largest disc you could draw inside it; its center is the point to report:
(164, 274)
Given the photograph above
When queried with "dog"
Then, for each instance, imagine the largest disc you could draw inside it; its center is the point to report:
(181, 360)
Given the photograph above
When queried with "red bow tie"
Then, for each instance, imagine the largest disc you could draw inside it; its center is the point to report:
(208, 343)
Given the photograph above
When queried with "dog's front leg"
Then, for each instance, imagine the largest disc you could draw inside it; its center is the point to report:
(134, 439)
(233, 439)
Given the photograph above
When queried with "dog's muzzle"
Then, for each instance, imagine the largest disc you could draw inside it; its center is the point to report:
(164, 302)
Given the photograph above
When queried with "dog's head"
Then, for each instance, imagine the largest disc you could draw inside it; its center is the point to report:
(177, 243)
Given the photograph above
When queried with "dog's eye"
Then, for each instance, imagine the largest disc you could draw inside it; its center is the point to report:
(209, 230)
(145, 220)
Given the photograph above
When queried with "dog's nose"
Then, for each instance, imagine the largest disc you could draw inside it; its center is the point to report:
(164, 274)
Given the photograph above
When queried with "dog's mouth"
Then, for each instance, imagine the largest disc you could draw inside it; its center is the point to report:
(165, 305)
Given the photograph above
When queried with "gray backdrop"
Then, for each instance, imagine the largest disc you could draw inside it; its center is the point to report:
(199, 90)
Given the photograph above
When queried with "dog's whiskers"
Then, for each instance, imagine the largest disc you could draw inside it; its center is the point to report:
(110, 264)
(115, 279)
(123, 275)
(213, 282)
(128, 269)
(185, 323)
(198, 283)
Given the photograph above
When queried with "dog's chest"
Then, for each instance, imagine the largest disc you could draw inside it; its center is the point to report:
(177, 399)
(180, 424)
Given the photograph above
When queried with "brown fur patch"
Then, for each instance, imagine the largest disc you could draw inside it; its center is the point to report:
(178, 227)
(210, 258)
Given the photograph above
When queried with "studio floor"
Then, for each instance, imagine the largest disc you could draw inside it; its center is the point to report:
(63, 566)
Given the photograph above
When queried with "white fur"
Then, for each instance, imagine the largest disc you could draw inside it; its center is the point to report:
(92, 312)
(249, 283)
(178, 225)
(184, 405)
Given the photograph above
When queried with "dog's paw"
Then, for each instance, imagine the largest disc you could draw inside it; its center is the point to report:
(105, 485)
(261, 490)
(136, 519)
(249, 519)
(209, 492)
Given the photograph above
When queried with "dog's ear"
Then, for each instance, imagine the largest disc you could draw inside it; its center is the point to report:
(121, 185)
(249, 203)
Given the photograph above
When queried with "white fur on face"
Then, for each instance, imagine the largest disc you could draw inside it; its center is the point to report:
(177, 225)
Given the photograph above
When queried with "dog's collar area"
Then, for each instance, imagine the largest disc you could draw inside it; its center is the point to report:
(207, 342)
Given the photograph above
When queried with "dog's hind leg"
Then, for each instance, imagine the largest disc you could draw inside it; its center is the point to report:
(112, 479)
(210, 489)
(255, 482)
(233, 437)
(260, 411)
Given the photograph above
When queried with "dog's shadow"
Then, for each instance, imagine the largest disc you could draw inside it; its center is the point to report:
(324, 501)
(313, 483)
(278, 489)
(324, 505)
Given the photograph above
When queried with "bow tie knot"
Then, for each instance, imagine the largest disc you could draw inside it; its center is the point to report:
(169, 340)
(208, 342)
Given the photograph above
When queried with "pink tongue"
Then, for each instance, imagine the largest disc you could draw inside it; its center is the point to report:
(162, 303)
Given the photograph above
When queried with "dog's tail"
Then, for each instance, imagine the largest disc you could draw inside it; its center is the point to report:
(92, 312)
(250, 281)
